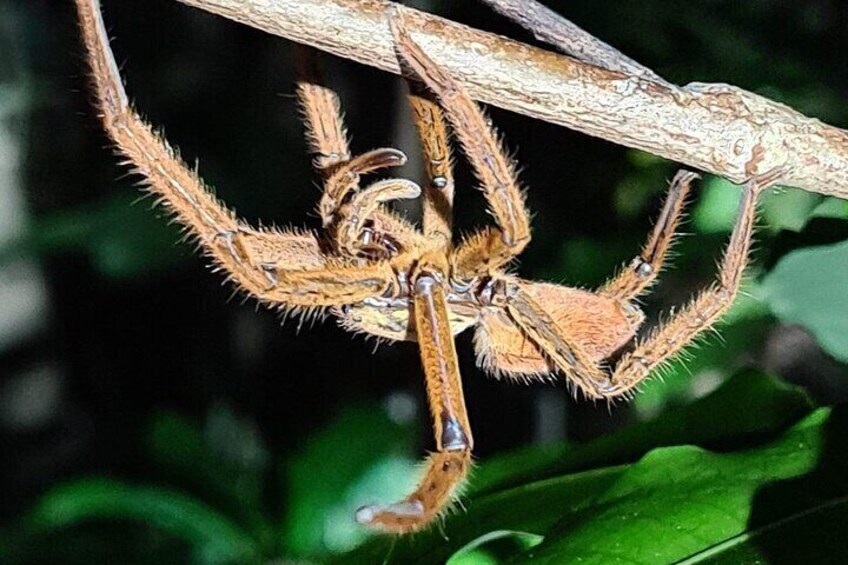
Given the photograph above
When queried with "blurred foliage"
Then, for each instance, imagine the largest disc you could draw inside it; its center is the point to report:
(716, 462)
(123, 238)
(210, 494)
(701, 466)
(711, 490)
(807, 287)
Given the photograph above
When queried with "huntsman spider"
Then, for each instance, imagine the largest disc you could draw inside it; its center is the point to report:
(379, 274)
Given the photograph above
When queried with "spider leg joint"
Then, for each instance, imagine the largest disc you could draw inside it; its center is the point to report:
(642, 267)
(229, 240)
(453, 437)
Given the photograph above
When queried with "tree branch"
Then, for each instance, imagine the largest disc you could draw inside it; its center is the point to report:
(548, 26)
(717, 128)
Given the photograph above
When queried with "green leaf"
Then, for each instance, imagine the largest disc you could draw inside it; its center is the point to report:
(749, 405)
(214, 537)
(787, 208)
(808, 287)
(494, 547)
(123, 238)
(532, 489)
(781, 209)
(363, 456)
(678, 502)
(815, 527)
(831, 207)
(717, 207)
(531, 508)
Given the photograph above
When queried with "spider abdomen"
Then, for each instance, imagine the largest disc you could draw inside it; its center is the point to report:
(597, 324)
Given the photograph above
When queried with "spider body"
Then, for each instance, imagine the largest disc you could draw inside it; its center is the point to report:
(601, 325)
(382, 276)
(391, 318)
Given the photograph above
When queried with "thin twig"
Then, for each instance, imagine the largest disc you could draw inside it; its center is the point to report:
(552, 28)
(717, 128)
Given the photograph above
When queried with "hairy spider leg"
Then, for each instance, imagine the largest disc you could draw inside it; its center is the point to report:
(449, 465)
(491, 249)
(684, 326)
(664, 342)
(642, 271)
(326, 133)
(484, 253)
(284, 269)
(565, 353)
(437, 217)
(328, 140)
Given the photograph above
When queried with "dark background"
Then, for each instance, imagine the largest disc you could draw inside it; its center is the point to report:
(111, 325)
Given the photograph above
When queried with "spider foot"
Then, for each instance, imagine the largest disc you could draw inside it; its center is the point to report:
(595, 389)
(445, 471)
(606, 389)
(374, 514)
(769, 178)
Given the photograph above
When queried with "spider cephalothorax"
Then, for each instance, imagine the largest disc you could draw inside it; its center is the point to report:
(381, 275)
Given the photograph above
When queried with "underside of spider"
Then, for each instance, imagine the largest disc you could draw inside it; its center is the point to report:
(381, 275)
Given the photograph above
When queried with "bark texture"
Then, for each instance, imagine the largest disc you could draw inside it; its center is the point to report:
(717, 128)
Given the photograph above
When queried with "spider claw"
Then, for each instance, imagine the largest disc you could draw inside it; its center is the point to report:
(769, 178)
(345, 179)
(377, 159)
(391, 189)
(608, 389)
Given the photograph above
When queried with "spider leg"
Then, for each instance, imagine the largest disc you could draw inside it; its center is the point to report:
(326, 133)
(705, 309)
(484, 151)
(567, 355)
(643, 270)
(276, 267)
(328, 140)
(449, 465)
(438, 193)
